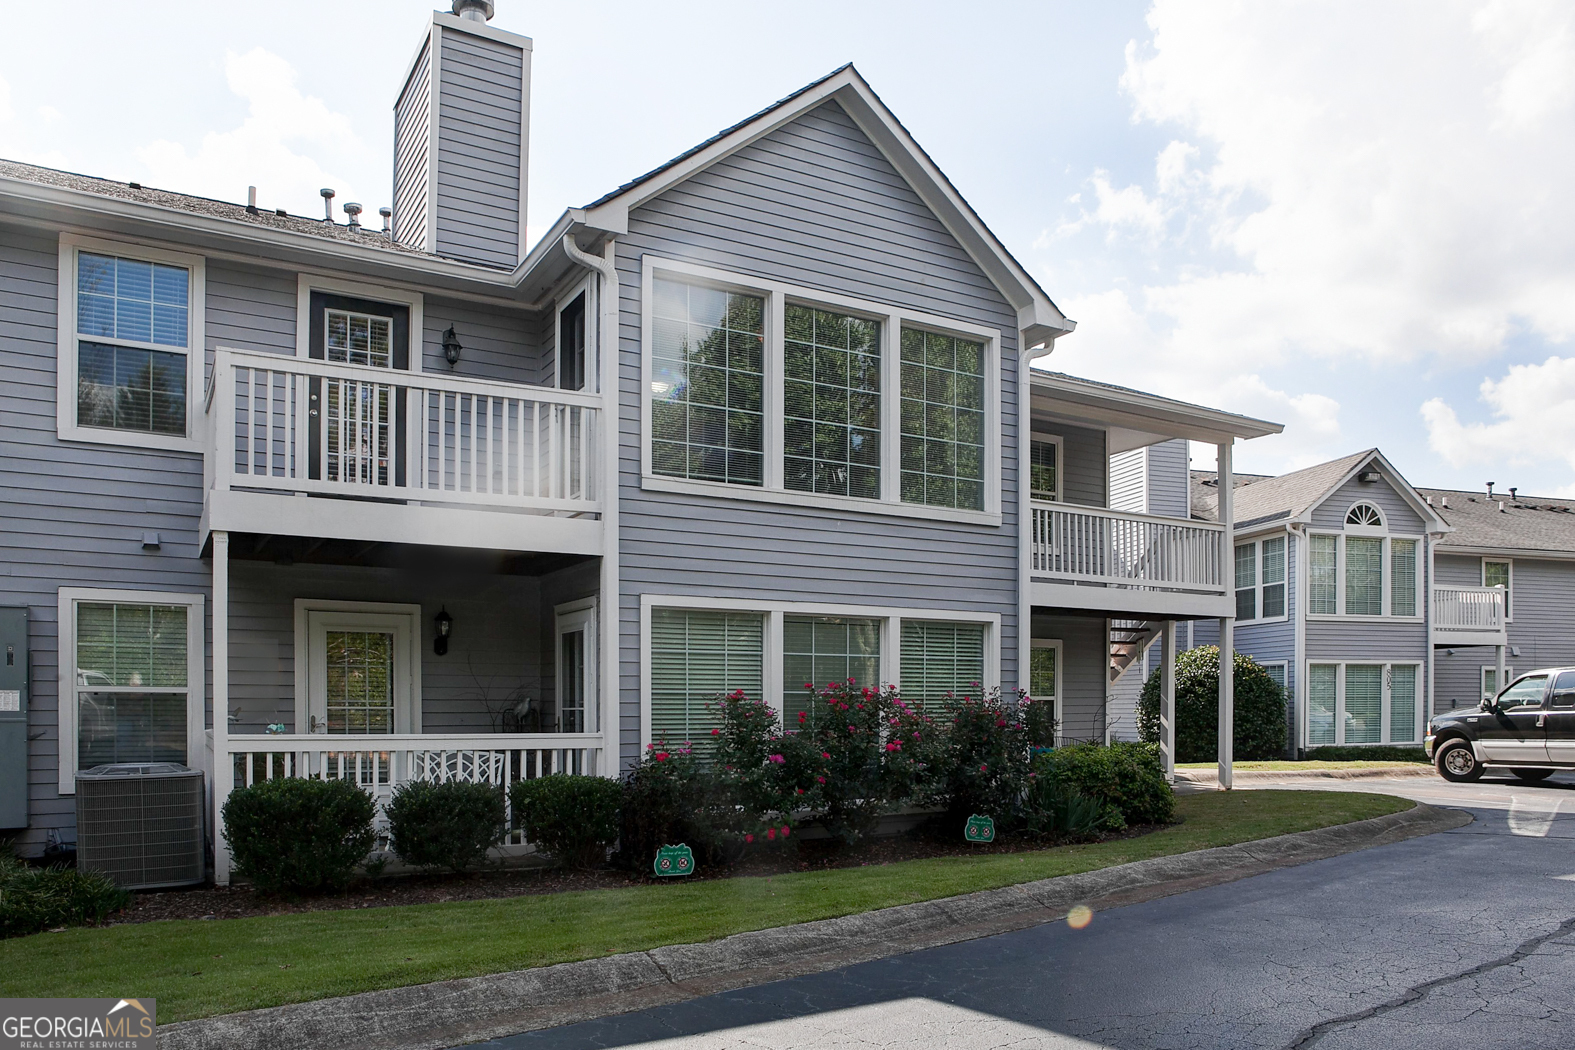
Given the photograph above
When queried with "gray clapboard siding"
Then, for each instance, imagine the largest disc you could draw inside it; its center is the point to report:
(412, 153)
(1398, 514)
(500, 344)
(1129, 481)
(1333, 640)
(1084, 663)
(1085, 468)
(480, 190)
(1168, 481)
(250, 308)
(814, 204)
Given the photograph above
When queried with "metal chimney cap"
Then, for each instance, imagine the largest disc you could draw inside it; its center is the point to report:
(353, 210)
(473, 10)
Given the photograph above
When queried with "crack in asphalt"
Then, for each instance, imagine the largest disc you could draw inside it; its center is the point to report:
(1308, 1036)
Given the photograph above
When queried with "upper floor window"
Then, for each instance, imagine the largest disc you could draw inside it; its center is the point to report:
(1364, 514)
(1363, 575)
(571, 345)
(1044, 478)
(129, 323)
(1498, 574)
(802, 397)
(1260, 579)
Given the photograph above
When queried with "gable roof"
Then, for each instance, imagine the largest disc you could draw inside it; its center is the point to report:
(1040, 319)
(1530, 524)
(1292, 497)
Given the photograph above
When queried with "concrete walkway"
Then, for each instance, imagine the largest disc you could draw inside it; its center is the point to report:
(427, 1017)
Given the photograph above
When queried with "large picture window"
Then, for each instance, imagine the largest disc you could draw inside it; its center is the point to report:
(942, 420)
(832, 405)
(1366, 574)
(1362, 703)
(817, 650)
(696, 655)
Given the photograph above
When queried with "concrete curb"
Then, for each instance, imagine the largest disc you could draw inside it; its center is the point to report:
(1253, 776)
(448, 1013)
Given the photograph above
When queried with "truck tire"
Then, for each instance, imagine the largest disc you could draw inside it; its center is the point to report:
(1457, 762)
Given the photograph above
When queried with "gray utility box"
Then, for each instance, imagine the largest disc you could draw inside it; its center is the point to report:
(141, 824)
(13, 717)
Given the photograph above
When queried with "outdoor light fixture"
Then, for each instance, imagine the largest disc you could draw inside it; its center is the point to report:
(451, 347)
(1369, 476)
(443, 622)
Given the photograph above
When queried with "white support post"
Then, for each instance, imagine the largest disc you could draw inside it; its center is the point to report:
(1226, 480)
(223, 771)
(1498, 675)
(1167, 699)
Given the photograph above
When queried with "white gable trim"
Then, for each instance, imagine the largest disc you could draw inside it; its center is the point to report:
(1397, 482)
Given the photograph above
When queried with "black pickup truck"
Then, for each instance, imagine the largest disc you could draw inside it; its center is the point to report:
(1528, 729)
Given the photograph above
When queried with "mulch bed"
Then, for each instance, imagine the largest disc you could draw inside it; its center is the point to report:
(242, 901)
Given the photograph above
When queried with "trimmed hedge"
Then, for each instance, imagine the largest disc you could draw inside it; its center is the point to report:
(1128, 778)
(299, 836)
(35, 899)
(1259, 708)
(572, 818)
(445, 825)
(1367, 754)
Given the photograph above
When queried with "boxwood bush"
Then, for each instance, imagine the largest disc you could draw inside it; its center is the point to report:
(34, 899)
(1259, 708)
(294, 835)
(1128, 778)
(445, 825)
(571, 818)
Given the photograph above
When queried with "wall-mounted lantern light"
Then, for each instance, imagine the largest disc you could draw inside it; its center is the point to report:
(451, 347)
(443, 623)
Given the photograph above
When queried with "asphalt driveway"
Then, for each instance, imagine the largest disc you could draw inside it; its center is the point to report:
(1460, 939)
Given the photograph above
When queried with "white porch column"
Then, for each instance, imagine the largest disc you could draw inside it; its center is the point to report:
(223, 771)
(1498, 676)
(1167, 699)
(1227, 504)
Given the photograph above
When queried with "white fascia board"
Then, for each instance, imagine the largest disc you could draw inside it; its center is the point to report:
(1148, 412)
(1131, 603)
(481, 29)
(1517, 553)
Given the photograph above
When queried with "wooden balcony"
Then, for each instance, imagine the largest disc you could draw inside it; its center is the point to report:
(1139, 564)
(1469, 616)
(406, 457)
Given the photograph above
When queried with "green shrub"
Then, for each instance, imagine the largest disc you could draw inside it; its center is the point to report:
(766, 774)
(572, 818)
(1259, 706)
(1061, 811)
(1367, 754)
(445, 825)
(1127, 777)
(34, 899)
(672, 796)
(985, 754)
(293, 835)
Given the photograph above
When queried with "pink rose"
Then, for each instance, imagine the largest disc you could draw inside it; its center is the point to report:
(784, 831)
(771, 834)
(749, 838)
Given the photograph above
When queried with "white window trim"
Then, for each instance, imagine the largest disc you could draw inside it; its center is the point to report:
(1258, 585)
(1285, 668)
(1060, 665)
(773, 613)
(1509, 591)
(66, 356)
(1340, 614)
(196, 669)
(587, 288)
(307, 283)
(1386, 734)
(892, 318)
(1509, 676)
(1060, 466)
(304, 607)
(580, 615)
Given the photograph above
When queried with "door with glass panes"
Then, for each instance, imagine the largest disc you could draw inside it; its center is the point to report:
(576, 668)
(359, 420)
(359, 673)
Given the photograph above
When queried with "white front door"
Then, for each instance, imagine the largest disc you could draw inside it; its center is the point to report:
(576, 667)
(360, 672)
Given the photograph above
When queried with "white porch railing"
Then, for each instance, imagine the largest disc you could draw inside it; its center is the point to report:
(1120, 549)
(1473, 611)
(379, 764)
(296, 425)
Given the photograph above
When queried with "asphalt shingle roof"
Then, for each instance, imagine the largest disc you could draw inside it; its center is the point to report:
(1530, 523)
(1261, 498)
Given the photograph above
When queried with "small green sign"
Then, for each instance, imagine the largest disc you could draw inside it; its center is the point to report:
(979, 829)
(680, 859)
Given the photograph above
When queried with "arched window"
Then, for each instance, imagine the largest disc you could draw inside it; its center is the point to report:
(1364, 514)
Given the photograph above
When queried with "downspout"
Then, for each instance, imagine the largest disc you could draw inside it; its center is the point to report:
(609, 642)
(1025, 522)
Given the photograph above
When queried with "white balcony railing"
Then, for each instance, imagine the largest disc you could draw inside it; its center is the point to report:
(316, 427)
(1474, 612)
(1087, 544)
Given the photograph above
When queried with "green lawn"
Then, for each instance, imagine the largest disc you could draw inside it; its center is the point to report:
(196, 968)
(1280, 766)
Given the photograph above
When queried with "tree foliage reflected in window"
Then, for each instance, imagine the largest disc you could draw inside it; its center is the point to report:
(831, 403)
(942, 420)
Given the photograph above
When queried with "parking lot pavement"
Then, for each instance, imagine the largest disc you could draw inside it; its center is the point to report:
(1460, 939)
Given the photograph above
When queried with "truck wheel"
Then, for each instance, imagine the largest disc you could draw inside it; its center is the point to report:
(1457, 762)
(1531, 775)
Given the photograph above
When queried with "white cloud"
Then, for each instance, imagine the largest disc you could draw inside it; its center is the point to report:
(273, 148)
(1533, 409)
(6, 112)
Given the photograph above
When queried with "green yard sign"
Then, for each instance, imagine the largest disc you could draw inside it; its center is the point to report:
(979, 829)
(676, 860)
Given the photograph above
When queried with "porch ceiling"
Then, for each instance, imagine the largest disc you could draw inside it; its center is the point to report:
(303, 550)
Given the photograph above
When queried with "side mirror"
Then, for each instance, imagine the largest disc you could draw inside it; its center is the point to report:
(1489, 703)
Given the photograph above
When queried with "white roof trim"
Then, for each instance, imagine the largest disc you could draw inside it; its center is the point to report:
(1397, 482)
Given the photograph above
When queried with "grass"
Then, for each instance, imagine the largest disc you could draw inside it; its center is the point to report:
(197, 968)
(1283, 765)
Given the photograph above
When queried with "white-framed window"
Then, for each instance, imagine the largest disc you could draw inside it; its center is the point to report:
(1044, 674)
(1044, 468)
(1364, 572)
(357, 667)
(1277, 670)
(1500, 572)
(574, 349)
(693, 648)
(362, 324)
(130, 361)
(131, 679)
(1490, 678)
(1363, 702)
(755, 389)
(1260, 579)
(575, 654)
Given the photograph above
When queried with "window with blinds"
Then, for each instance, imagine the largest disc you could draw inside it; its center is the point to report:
(1402, 703)
(1364, 576)
(943, 437)
(1322, 696)
(1496, 574)
(818, 650)
(1402, 577)
(1322, 578)
(1042, 672)
(1043, 470)
(1362, 703)
(131, 683)
(697, 655)
(941, 662)
(1247, 581)
(132, 334)
(831, 397)
(1273, 605)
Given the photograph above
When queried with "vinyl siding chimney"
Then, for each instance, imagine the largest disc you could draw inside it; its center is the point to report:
(462, 144)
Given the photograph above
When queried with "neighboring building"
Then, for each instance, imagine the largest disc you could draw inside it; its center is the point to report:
(293, 497)
(1526, 545)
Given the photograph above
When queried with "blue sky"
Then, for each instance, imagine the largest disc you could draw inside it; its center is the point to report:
(1350, 218)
